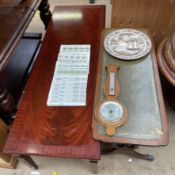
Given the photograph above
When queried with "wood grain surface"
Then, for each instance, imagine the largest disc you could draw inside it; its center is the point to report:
(166, 60)
(59, 131)
(17, 3)
(156, 15)
(168, 52)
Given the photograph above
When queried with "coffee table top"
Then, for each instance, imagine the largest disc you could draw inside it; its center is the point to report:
(59, 131)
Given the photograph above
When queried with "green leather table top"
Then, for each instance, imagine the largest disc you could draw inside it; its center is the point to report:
(140, 92)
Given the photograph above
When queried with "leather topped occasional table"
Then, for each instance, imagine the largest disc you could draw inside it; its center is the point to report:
(141, 93)
(59, 131)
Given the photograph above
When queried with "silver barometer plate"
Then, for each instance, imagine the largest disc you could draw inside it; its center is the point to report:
(111, 111)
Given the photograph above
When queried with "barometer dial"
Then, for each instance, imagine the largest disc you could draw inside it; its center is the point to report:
(111, 111)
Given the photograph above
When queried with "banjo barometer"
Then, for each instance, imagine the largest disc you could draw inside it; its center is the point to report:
(111, 113)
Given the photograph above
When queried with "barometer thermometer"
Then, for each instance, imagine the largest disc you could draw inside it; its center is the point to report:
(111, 113)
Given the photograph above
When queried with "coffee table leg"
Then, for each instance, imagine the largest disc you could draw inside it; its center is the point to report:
(127, 150)
(94, 166)
(27, 160)
(148, 157)
(45, 13)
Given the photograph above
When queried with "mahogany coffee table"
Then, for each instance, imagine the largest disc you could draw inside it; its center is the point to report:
(59, 131)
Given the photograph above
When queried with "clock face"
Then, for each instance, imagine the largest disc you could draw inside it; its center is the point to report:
(111, 111)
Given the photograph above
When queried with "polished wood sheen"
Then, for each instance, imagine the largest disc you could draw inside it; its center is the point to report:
(59, 131)
(166, 62)
(45, 13)
(15, 16)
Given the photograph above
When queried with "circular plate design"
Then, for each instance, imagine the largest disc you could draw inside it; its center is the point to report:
(127, 44)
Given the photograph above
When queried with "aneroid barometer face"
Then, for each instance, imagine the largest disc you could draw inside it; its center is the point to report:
(111, 111)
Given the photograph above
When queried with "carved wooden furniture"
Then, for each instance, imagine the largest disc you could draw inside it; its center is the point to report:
(157, 16)
(59, 131)
(15, 16)
(140, 92)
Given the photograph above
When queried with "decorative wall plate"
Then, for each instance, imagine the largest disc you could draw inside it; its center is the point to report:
(127, 44)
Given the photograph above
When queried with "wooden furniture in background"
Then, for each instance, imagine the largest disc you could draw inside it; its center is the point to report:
(45, 13)
(166, 62)
(6, 161)
(15, 74)
(156, 15)
(15, 17)
(20, 64)
(166, 58)
(59, 131)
